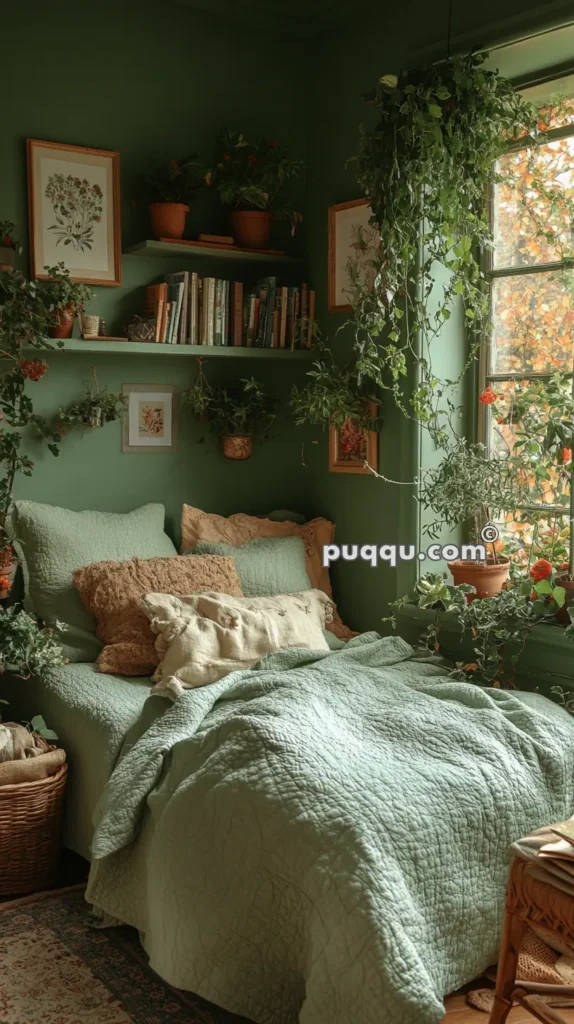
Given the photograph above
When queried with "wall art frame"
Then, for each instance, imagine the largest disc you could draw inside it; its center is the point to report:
(74, 211)
(351, 446)
(150, 421)
(351, 238)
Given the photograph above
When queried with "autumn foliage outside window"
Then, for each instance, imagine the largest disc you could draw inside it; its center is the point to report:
(530, 358)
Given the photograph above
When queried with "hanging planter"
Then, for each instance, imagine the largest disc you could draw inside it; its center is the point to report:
(236, 413)
(94, 411)
(237, 447)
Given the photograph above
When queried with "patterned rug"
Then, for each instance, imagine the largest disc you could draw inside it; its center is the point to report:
(57, 968)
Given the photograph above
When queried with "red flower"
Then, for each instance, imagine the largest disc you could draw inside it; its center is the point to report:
(4, 583)
(534, 596)
(565, 455)
(541, 570)
(227, 157)
(500, 419)
(33, 369)
(487, 397)
(7, 241)
(252, 158)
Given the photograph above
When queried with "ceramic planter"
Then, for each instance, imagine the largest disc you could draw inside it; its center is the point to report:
(251, 228)
(7, 258)
(237, 447)
(486, 579)
(63, 323)
(168, 219)
(562, 615)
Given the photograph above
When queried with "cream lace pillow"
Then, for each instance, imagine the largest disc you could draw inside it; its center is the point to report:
(203, 637)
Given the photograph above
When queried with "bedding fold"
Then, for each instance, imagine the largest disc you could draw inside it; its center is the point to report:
(324, 838)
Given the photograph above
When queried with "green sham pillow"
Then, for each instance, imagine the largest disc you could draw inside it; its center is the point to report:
(51, 542)
(265, 565)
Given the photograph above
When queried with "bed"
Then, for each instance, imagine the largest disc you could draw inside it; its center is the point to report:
(320, 839)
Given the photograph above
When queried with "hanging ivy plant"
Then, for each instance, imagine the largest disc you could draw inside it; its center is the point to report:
(425, 168)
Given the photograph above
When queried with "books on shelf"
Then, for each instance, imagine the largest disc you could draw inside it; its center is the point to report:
(193, 310)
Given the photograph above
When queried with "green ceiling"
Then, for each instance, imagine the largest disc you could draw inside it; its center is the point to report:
(294, 15)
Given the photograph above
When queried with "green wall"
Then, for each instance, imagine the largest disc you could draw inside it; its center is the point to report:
(350, 61)
(154, 81)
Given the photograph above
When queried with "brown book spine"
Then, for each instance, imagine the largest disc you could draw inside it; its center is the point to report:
(284, 302)
(275, 334)
(237, 314)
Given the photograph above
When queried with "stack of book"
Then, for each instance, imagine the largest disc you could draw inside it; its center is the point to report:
(193, 310)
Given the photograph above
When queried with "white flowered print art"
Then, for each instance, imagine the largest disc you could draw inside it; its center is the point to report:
(78, 208)
(75, 211)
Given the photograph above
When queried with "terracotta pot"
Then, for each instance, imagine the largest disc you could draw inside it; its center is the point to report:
(64, 323)
(562, 615)
(168, 219)
(251, 228)
(7, 258)
(237, 447)
(487, 579)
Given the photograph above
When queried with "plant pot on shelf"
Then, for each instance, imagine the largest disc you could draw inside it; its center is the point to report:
(168, 219)
(63, 323)
(7, 258)
(251, 228)
(237, 447)
(562, 615)
(487, 579)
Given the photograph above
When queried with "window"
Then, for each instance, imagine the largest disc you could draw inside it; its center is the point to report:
(532, 288)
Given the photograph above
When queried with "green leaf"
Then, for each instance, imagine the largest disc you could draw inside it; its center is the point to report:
(434, 110)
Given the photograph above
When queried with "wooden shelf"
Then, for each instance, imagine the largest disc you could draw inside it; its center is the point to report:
(144, 348)
(179, 249)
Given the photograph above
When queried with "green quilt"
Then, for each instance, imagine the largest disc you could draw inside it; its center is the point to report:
(324, 839)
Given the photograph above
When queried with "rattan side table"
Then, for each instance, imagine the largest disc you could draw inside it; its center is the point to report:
(530, 902)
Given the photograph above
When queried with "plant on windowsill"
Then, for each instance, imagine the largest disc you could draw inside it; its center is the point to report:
(249, 177)
(497, 626)
(65, 300)
(10, 247)
(236, 414)
(169, 190)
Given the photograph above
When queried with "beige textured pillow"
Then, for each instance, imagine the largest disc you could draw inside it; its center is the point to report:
(199, 526)
(112, 592)
(203, 637)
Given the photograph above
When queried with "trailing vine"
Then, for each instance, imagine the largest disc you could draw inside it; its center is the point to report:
(425, 168)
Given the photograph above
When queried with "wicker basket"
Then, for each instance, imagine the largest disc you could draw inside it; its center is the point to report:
(30, 820)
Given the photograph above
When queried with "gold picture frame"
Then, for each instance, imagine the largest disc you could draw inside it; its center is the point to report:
(74, 213)
(150, 421)
(351, 446)
(351, 237)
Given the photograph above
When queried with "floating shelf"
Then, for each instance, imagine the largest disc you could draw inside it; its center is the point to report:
(153, 248)
(145, 348)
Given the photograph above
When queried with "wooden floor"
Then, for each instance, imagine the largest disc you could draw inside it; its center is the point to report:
(459, 1012)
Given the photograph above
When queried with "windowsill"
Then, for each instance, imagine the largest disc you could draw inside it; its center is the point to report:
(547, 659)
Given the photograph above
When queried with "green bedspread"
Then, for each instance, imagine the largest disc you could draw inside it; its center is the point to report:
(325, 839)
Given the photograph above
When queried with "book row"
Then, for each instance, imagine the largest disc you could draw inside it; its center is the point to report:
(187, 309)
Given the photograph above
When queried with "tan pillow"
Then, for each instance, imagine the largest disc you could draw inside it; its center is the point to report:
(112, 591)
(199, 526)
(203, 637)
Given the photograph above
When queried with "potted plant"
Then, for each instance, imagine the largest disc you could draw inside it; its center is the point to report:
(65, 300)
(249, 177)
(9, 245)
(470, 490)
(170, 189)
(236, 413)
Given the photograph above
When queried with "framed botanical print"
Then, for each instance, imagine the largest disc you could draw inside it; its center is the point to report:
(351, 447)
(353, 245)
(74, 211)
(150, 422)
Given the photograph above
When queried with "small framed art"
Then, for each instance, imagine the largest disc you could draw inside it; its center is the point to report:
(74, 211)
(351, 447)
(353, 244)
(150, 422)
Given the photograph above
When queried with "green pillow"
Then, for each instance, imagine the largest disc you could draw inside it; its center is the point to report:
(51, 542)
(265, 565)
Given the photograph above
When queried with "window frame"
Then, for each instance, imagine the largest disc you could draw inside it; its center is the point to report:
(486, 376)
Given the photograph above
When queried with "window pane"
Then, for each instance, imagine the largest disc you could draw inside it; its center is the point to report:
(532, 219)
(547, 537)
(546, 474)
(532, 323)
